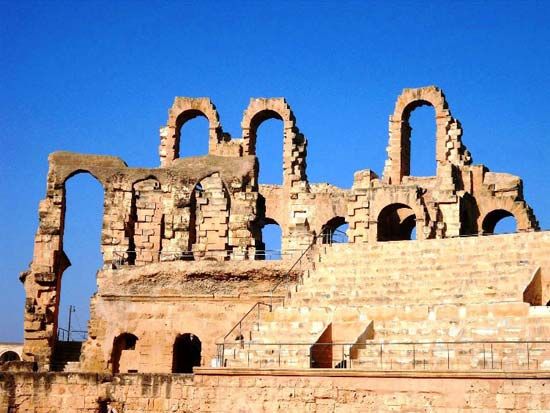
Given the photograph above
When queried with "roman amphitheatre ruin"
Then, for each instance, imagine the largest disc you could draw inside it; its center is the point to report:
(189, 315)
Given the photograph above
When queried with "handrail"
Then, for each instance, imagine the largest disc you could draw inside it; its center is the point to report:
(239, 323)
(64, 333)
(488, 357)
(284, 278)
(309, 247)
(121, 256)
(391, 343)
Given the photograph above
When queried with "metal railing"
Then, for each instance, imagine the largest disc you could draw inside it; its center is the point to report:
(328, 238)
(388, 356)
(125, 257)
(254, 311)
(71, 335)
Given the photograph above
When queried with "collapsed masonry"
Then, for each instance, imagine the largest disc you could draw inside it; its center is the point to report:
(168, 223)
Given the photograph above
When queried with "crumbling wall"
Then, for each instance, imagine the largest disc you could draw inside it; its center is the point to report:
(199, 207)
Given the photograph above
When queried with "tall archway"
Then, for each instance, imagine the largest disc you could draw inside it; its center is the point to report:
(183, 110)
(196, 137)
(269, 150)
(448, 143)
(420, 139)
(294, 143)
(81, 227)
(499, 221)
(122, 353)
(396, 222)
(335, 230)
(186, 353)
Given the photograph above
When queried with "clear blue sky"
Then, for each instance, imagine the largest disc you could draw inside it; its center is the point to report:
(98, 77)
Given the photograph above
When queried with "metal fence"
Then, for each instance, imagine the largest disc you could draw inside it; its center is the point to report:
(71, 335)
(387, 356)
(128, 257)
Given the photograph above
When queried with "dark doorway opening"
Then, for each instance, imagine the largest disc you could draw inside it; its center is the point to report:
(187, 353)
(396, 222)
(121, 343)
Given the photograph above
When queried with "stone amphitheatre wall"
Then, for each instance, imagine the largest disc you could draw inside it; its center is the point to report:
(212, 207)
(248, 392)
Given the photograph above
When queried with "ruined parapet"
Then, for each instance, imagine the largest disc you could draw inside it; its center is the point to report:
(212, 208)
(184, 109)
(294, 142)
(146, 219)
(449, 147)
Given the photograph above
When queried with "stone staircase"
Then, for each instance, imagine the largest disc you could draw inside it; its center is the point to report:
(364, 299)
(66, 355)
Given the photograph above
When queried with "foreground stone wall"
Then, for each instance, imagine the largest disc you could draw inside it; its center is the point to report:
(246, 391)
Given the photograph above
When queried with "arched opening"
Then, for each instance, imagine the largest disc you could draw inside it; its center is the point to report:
(268, 124)
(197, 134)
(9, 356)
(272, 235)
(122, 355)
(83, 219)
(422, 144)
(335, 231)
(499, 221)
(186, 353)
(419, 131)
(396, 222)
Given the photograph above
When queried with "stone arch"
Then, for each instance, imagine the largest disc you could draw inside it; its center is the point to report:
(42, 281)
(184, 109)
(186, 354)
(80, 171)
(329, 228)
(261, 246)
(494, 209)
(449, 147)
(493, 218)
(395, 222)
(294, 143)
(9, 355)
(122, 358)
(62, 261)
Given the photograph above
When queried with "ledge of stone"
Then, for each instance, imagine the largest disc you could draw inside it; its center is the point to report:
(450, 374)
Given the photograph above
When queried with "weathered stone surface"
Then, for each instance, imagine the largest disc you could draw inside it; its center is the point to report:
(183, 260)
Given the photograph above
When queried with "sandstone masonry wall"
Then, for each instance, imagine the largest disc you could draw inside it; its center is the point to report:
(248, 392)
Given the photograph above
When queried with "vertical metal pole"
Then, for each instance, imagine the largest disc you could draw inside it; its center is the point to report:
(484, 355)
(69, 327)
